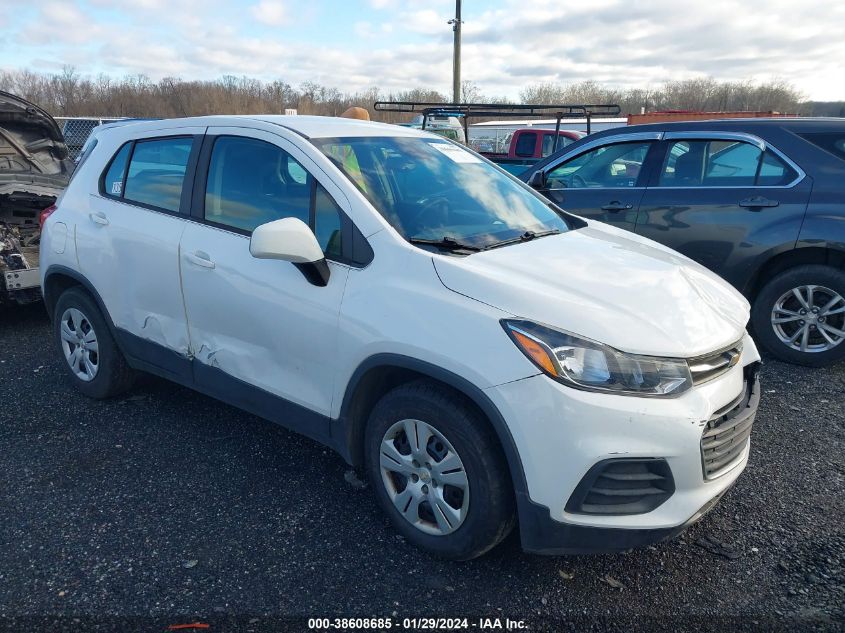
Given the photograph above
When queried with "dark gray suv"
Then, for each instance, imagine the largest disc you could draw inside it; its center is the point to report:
(761, 202)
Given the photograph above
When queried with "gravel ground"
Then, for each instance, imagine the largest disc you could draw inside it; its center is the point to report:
(169, 507)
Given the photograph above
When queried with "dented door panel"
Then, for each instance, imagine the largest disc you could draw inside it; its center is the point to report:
(261, 321)
(133, 262)
(129, 252)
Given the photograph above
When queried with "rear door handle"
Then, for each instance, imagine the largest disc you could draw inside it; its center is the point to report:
(758, 202)
(99, 218)
(617, 206)
(200, 258)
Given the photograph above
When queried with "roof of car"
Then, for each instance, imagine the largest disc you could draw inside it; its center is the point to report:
(797, 124)
(762, 126)
(305, 125)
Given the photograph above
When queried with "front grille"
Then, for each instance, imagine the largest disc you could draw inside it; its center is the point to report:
(713, 365)
(726, 434)
(623, 486)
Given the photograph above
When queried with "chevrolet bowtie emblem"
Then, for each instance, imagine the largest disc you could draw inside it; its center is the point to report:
(733, 357)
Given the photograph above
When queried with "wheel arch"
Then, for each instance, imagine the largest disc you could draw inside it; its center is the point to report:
(57, 279)
(380, 373)
(783, 261)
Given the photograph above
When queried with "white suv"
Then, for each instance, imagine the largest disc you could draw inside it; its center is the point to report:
(486, 357)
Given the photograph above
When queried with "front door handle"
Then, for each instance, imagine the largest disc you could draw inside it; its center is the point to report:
(758, 202)
(617, 206)
(99, 218)
(200, 258)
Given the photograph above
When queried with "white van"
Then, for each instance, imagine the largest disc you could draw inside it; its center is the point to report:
(486, 357)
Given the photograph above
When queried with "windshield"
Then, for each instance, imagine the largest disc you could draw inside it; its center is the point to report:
(431, 189)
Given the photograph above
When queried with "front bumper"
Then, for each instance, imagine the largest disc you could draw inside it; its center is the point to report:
(540, 534)
(561, 433)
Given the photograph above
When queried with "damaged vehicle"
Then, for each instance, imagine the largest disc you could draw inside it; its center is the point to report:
(487, 358)
(34, 170)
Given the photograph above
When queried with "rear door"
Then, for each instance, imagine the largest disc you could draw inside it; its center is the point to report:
(128, 243)
(604, 180)
(725, 200)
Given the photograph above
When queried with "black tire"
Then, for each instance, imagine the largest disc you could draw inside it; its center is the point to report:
(113, 375)
(490, 512)
(764, 303)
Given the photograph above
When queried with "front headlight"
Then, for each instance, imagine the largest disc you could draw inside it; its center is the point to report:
(592, 366)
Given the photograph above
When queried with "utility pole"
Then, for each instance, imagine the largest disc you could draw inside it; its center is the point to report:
(456, 61)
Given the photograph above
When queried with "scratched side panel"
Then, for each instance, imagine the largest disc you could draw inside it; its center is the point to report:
(260, 320)
(133, 262)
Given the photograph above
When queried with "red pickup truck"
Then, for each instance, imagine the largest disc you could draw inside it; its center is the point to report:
(528, 145)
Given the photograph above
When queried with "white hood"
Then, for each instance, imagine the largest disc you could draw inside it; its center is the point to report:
(607, 285)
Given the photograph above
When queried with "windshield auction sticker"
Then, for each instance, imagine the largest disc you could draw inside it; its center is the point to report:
(455, 153)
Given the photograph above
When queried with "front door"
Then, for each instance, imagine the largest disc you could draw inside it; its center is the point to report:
(723, 200)
(604, 182)
(259, 327)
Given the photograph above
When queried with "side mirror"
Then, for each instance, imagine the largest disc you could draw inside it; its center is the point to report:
(537, 180)
(291, 240)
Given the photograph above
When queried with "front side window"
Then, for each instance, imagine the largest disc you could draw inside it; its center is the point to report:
(431, 189)
(327, 223)
(156, 172)
(721, 163)
(608, 166)
(252, 182)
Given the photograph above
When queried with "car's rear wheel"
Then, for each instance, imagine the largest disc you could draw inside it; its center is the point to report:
(799, 316)
(96, 366)
(438, 472)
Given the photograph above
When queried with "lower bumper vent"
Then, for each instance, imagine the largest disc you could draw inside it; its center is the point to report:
(623, 486)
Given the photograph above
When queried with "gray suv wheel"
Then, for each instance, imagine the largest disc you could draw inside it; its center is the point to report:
(799, 315)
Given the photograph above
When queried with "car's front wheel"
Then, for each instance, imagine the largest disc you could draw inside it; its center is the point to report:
(438, 471)
(799, 316)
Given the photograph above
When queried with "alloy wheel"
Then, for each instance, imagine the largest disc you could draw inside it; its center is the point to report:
(810, 318)
(79, 344)
(424, 477)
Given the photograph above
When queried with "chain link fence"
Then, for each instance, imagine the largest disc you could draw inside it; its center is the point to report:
(76, 131)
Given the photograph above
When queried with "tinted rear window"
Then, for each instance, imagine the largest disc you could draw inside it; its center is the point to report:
(774, 172)
(833, 142)
(525, 144)
(157, 171)
(113, 178)
(723, 163)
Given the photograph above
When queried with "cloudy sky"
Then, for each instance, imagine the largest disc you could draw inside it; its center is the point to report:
(399, 44)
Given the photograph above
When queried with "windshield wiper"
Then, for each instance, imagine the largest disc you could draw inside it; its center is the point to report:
(446, 243)
(525, 237)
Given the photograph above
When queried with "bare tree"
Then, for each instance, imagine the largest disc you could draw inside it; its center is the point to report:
(470, 92)
(72, 94)
(704, 94)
